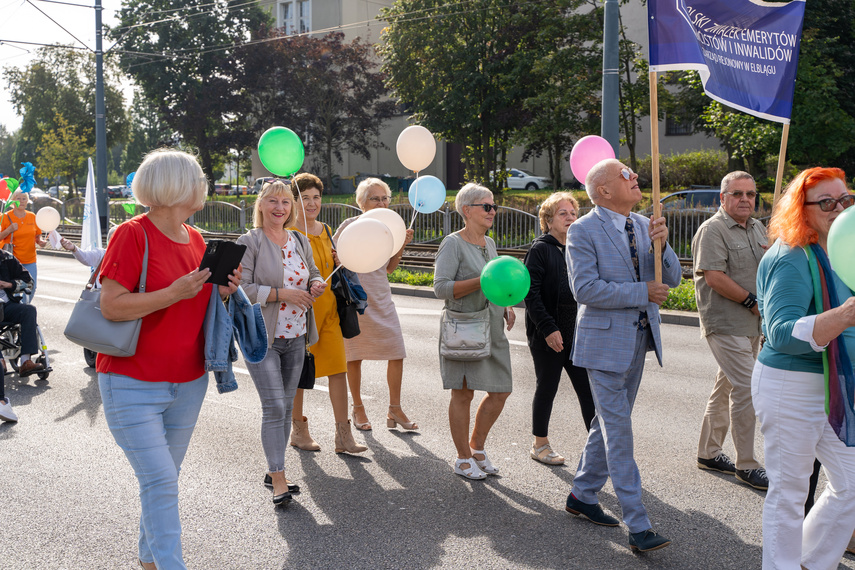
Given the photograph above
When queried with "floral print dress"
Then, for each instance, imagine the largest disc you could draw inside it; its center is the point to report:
(291, 322)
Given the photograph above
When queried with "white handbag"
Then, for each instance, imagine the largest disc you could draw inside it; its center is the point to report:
(465, 336)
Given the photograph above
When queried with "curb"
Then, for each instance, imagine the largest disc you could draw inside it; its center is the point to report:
(684, 318)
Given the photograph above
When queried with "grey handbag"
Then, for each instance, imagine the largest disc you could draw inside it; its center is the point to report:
(88, 327)
(465, 336)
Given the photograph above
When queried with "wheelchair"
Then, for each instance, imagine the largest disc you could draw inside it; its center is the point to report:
(10, 347)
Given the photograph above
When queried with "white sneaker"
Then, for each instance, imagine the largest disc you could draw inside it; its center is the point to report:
(6, 413)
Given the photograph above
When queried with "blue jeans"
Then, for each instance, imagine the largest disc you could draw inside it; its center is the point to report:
(34, 273)
(152, 422)
(276, 378)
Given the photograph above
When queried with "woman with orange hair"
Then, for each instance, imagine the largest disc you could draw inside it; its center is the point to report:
(807, 311)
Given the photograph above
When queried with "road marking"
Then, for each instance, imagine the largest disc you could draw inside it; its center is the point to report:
(64, 281)
(409, 311)
(518, 342)
(60, 299)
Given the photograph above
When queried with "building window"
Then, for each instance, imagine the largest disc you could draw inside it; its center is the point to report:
(295, 16)
(677, 128)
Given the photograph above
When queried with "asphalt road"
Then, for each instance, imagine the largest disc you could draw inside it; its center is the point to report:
(68, 498)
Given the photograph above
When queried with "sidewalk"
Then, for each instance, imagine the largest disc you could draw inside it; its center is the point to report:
(685, 318)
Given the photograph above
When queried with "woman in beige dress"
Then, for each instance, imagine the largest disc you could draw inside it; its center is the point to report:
(380, 336)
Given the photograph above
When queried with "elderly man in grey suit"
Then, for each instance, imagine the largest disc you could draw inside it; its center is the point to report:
(610, 262)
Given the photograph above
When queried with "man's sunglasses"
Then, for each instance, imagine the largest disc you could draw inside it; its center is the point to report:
(626, 173)
(828, 204)
(487, 207)
(739, 194)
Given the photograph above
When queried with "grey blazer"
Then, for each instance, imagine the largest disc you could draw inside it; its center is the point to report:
(262, 271)
(610, 296)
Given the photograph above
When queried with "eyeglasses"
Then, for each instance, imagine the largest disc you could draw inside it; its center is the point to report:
(487, 207)
(626, 173)
(751, 194)
(829, 204)
(378, 199)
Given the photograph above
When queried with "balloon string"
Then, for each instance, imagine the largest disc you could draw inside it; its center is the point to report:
(415, 201)
(333, 273)
(302, 206)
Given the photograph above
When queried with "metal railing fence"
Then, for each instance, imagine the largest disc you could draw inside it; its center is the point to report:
(512, 228)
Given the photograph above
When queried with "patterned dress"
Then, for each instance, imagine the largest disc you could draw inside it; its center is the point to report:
(380, 336)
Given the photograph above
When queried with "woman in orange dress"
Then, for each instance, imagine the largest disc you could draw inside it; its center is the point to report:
(19, 228)
(329, 350)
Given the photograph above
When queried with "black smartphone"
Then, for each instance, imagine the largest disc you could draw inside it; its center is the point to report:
(222, 257)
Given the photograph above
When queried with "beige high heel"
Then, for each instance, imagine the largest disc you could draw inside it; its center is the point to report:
(300, 437)
(344, 441)
(393, 420)
(362, 427)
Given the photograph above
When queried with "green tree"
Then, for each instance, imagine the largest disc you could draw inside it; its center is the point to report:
(187, 64)
(565, 104)
(147, 132)
(7, 149)
(62, 81)
(464, 70)
(325, 89)
(63, 151)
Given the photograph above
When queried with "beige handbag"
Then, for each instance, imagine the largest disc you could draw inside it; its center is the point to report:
(465, 336)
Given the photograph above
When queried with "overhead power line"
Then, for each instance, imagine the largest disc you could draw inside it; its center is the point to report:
(57, 23)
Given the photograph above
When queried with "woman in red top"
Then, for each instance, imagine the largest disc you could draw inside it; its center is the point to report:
(152, 399)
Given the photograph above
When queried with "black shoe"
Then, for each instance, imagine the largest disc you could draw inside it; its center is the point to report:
(593, 513)
(282, 499)
(647, 540)
(292, 487)
(720, 462)
(754, 477)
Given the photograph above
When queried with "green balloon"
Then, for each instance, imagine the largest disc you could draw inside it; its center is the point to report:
(841, 246)
(281, 151)
(505, 281)
(11, 184)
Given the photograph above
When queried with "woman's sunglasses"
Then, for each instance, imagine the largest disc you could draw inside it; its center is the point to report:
(487, 207)
(828, 204)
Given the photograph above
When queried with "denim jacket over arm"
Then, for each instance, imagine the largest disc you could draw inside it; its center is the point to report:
(242, 321)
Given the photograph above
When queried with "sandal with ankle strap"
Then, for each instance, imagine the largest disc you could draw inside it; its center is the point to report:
(545, 455)
(393, 420)
(471, 472)
(362, 427)
(484, 464)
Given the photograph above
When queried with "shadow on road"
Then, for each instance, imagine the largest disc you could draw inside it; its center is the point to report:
(90, 399)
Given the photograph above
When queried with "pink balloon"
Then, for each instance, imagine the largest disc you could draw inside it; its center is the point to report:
(587, 152)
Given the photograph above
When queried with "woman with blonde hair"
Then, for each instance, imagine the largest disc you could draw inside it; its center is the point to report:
(457, 279)
(550, 323)
(329, 350)
(279, 274)
(380, 336)
(19, 228)
(807, 310)
(152, 399)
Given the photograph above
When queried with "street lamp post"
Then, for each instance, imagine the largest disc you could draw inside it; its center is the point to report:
(609, 126)
(100, 126)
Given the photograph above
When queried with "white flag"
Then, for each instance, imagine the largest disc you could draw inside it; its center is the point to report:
(91, 239)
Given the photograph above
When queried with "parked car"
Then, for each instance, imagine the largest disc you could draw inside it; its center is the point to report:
(115, 192)
(698, 199)
(56, 192)
(224, 190)
(519, 179)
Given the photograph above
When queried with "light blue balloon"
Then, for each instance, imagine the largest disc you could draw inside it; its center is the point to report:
(427, 194)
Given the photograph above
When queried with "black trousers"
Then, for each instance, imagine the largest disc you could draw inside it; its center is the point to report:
(548, 365)
(24, 315)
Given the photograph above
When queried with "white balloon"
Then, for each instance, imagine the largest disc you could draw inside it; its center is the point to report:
(416, 148)
(394, 222)
(47, 219)
(365, 245)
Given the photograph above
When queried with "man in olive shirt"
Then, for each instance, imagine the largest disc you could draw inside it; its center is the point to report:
(726, 250)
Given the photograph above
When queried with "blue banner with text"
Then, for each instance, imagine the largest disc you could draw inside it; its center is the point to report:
(745, 51)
